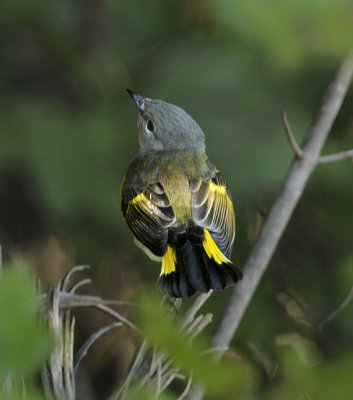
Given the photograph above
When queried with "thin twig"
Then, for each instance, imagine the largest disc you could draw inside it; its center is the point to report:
(159, 377)
(297, 150)
(194, 323)
(344, 155)
(89, 342)
(194, 308)
(152, 364)
(66, 280)
(170, 379)
(79, 284)
(69, 300)
(187, 389)
(214, 350)
(205, 320)
(116, 315)
(121, 393)
(338, 310)
(68, 352)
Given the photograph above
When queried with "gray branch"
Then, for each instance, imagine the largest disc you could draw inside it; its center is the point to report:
(344, 155)
(338, 310)
(281, 211)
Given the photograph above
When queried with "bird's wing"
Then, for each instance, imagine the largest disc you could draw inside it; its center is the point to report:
(148, 214)
(212, 209)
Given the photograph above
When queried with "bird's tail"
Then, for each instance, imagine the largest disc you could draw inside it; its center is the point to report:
(193, 262)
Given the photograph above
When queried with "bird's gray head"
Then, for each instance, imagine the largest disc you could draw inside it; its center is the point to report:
(164, 126)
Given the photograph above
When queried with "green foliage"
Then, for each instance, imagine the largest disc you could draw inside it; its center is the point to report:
(226, 378)
(24, 342)
(329, 379)
(292, 33)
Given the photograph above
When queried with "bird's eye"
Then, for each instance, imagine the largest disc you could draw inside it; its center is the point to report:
(150, 126)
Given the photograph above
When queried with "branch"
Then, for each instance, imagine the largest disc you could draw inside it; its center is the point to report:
(297, 150)
(281, 211)
(344, 155)
(338, 310)
(89, 342)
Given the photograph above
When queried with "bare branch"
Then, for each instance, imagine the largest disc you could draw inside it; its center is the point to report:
(338, 310)
(344, 155)
(69, 300)
(89, 342)
(202, 323)
(281, 211)
(170, 378)
(194, 308)
(159, 378)
(297, 150)
(66, 280)
(283, 207)
(117, 316)
(79, 284)
(138, 359)
(186, 390)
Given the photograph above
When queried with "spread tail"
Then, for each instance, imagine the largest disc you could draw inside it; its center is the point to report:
(193, 262)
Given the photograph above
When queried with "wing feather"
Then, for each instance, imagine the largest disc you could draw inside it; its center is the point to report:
(148, 214)
(213, 210)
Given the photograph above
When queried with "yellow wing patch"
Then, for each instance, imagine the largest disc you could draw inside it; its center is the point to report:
(222, 190)
(217, 188)
(212, 249)
(140, 198)
(168, 261)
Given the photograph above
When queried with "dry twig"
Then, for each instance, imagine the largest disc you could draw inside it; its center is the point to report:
(337, 311)
(297, 150)
(58, 376)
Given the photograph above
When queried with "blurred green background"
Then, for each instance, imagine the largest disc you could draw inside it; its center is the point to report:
(68, 133)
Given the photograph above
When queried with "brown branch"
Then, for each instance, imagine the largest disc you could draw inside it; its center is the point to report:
(281, 212)
(297, 150)
(344, 155)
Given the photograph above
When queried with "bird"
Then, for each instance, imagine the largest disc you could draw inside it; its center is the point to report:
(177, 204)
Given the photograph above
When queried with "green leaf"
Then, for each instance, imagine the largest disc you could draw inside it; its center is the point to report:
(330, 379)
(24, 344)
(228, 377)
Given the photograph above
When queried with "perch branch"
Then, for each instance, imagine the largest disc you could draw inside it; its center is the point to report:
(281, 212)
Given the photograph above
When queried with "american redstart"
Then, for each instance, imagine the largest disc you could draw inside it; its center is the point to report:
(177, 204)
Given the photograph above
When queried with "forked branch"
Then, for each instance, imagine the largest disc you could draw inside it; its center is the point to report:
(282, 209)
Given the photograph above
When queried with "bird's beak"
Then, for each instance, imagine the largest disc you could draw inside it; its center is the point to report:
(139, 100)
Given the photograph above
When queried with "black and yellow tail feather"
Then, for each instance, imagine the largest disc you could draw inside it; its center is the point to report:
(193, 262)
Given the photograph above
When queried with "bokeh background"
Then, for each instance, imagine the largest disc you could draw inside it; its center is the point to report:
(68, 133)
